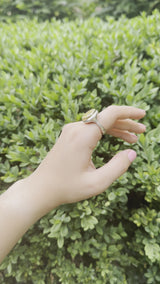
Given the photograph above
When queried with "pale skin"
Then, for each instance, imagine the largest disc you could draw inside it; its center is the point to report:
(67, 174)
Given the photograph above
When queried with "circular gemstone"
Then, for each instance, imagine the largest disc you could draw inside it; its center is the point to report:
(88, 114)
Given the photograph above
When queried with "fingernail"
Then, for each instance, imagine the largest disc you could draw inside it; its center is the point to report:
(132, 155)
(133, 135)
(142, 125)
(143, 111)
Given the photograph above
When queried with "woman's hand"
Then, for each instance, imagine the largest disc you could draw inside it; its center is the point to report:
(67, 174)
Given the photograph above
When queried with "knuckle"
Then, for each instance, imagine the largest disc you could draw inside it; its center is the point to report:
(67, 127)
(113, 111)
(112, 108)
(71, 132)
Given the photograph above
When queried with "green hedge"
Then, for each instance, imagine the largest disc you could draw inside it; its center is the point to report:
(75, 8)
(50, 74)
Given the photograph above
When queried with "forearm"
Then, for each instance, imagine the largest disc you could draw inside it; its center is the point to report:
(20, 207)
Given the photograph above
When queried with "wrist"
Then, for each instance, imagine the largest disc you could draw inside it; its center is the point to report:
(20, 203)
(41, 198)
(19, 210)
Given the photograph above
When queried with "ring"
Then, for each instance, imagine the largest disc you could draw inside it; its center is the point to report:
(91, 117)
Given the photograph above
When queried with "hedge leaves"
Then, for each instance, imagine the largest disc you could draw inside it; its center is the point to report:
(50, 73)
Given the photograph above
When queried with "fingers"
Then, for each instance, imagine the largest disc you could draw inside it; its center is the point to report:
(114, 117)
(103, 177)
(117, 120)
(129, 125)
(123, 112)
(124, 129)
(124, 135)
(113, 113)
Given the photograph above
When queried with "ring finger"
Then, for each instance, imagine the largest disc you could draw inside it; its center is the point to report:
(124, 135)
(129, 125)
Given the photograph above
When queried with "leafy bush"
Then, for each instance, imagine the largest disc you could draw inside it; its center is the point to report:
(75, 8)
(50, 74)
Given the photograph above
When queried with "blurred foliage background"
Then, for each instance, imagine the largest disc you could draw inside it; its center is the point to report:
(51, 71)
(73, 9)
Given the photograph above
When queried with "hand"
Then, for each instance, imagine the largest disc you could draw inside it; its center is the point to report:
(67, 174)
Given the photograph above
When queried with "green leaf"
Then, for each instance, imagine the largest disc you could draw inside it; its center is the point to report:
(111, 196)
(152, 250)
(60, 241)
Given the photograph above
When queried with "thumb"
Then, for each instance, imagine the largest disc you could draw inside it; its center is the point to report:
(107, 174)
